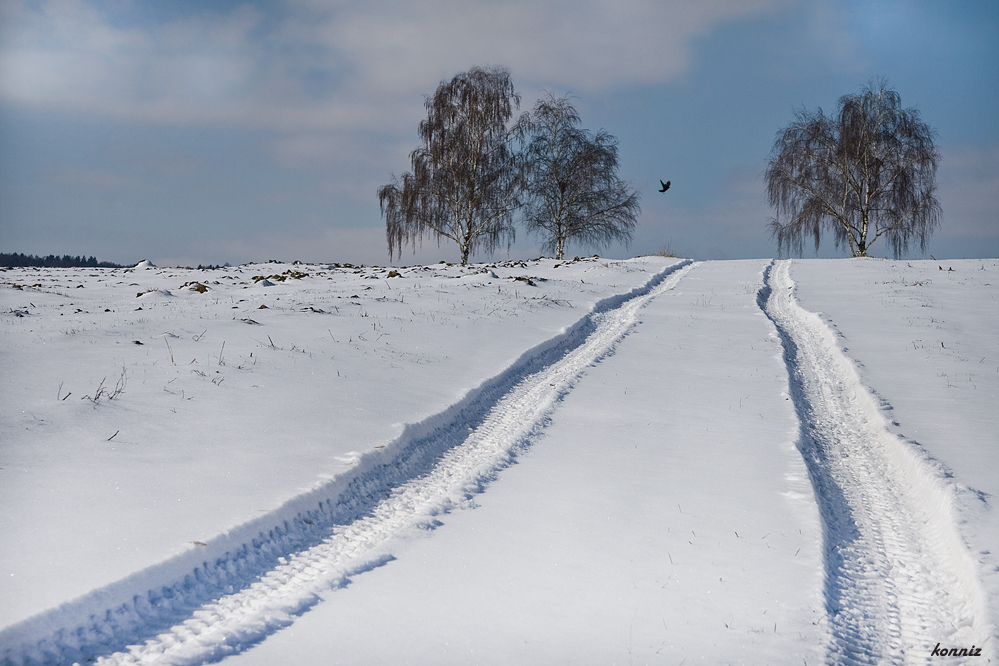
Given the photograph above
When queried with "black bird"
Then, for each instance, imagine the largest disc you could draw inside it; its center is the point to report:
(665, 185)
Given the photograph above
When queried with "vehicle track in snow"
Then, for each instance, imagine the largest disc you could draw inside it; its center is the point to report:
(898, 577)
(238, 600)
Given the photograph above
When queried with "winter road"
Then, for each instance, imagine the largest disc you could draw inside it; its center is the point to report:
(897, 573)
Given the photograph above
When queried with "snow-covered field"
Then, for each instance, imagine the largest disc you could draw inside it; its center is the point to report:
(669, 461)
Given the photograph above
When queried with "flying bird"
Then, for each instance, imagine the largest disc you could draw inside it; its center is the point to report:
(665, 185)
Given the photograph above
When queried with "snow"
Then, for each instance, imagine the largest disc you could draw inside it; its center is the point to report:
(888, 513)
(623, 534)
(637, 440)
(930, 322)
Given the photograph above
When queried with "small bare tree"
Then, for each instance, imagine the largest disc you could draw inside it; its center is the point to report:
(868, 172)
(573, 192)
(466, 177)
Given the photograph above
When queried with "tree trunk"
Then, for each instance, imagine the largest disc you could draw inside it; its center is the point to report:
(862, 241)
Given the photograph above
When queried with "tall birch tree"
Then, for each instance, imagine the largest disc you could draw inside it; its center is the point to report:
(865, 173)
(467, 177)
(573, 192)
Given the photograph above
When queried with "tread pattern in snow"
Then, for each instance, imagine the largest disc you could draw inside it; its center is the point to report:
(235, 601)
(899, 578)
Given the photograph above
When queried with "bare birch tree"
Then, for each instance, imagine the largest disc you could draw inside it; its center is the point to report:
(865, 173)
(466, 177)
(573, 192)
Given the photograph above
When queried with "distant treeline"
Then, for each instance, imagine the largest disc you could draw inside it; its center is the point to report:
(52, 261)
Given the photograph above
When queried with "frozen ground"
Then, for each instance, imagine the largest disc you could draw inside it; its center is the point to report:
(705, 471)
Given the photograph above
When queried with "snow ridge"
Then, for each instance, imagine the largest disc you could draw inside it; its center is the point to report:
(242, 586)
(899, 578)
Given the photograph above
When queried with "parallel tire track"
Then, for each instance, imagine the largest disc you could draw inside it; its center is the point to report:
(207, 618)
(899, 578)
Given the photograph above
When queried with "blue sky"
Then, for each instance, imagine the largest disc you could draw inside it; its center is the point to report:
(192, 132)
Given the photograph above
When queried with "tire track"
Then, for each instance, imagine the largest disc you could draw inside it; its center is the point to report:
(899, 579)
(229, 605)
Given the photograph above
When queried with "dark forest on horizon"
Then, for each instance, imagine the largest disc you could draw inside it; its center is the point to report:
(18, 260)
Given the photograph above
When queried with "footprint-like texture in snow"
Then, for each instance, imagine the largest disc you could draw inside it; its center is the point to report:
(898, 575)
(236, 601)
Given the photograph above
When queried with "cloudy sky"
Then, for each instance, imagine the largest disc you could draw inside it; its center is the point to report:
(212, 131)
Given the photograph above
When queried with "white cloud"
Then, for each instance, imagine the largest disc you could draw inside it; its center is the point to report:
(335, 65)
